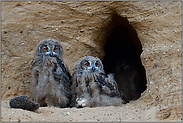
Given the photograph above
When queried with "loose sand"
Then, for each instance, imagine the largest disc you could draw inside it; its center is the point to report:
(135, 111)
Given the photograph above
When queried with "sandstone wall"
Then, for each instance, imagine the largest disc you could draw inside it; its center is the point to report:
(80, 26)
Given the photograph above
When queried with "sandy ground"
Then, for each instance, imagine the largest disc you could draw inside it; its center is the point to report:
(132, 111)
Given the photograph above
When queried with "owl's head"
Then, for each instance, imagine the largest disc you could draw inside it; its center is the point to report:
(90, 63)
(50, 47)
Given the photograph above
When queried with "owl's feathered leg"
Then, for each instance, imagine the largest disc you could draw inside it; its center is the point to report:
(84, 91)
(80, 103)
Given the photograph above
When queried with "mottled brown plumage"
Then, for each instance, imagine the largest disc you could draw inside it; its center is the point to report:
(50, 83)
(92, 87)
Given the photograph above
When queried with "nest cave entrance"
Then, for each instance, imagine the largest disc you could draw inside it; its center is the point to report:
(122, 57)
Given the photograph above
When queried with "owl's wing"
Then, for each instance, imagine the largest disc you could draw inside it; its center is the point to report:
(65, 80)
(103, 82)
(62, 77)
(102, 78)
(62, 65)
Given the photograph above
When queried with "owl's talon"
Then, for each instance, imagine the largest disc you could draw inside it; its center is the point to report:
(78, 99)
(81, 102)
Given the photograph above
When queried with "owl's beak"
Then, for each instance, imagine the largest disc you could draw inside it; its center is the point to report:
(93, 68)
(51, 53)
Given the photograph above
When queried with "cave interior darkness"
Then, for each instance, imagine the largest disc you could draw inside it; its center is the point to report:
(122, 57)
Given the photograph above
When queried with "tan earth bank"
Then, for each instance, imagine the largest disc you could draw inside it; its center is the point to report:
(81, 28)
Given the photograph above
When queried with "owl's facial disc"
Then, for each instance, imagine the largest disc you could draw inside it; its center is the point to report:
(51, 51)
(93, 66)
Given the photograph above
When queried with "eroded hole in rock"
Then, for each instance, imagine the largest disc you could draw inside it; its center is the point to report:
(122, 57)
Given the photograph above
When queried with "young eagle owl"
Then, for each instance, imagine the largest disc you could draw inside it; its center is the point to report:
(92, 87)
(51, 80)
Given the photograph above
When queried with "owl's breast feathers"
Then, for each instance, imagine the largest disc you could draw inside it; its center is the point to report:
(43, 60)
(51, 65)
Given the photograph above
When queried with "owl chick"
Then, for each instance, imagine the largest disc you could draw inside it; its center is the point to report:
(51, 80)
(91, 87)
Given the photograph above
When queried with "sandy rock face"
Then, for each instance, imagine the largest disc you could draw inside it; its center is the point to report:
(83, 29)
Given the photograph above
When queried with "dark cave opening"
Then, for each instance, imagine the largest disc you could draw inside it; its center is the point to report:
(122, 58)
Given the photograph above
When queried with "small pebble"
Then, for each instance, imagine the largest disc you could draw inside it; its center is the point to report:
(65, 113)
(70, 119)
(68, 113)
(45, 27)
(81, 30)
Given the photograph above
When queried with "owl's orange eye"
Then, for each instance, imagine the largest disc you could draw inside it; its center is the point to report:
(45, 49)
(55, 49)
(96, 64)
(87, 64)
